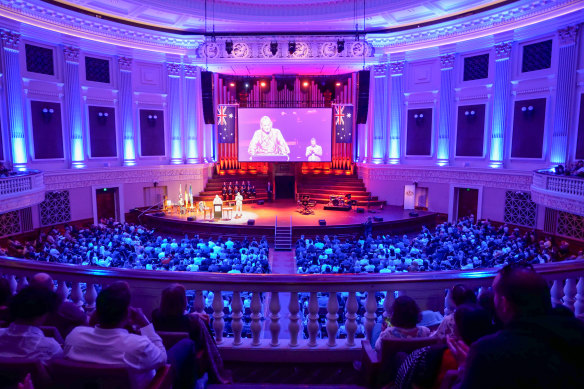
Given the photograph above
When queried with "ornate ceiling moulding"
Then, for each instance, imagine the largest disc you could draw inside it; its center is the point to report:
(305, 47)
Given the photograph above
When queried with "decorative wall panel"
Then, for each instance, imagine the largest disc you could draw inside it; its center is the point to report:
(97, 69)
(519, 209)
(419, 137)
(151, 133)
(476, 67)
(39, 60)
(537, 56)
(56, 208)
(570, 225)
(580, 141)
(102, 131)
(528, 128)
(9, 223)
(470, 131)
(47, 129)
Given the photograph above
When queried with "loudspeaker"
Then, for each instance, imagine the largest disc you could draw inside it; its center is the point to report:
(161, 214)
(260, 202)
(322, 222)
(377, 218)
(414, 214)
(360, 210)
(207, 97)
(251, 222)
(362, 96)
(190, 219)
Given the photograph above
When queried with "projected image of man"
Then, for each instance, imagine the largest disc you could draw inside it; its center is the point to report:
(314, 151)
(267, 140)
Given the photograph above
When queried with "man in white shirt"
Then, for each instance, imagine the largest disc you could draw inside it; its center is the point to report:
(110, 343)
(23, 338)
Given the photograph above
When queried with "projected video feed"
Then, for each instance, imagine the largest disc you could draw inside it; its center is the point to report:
(285, 134)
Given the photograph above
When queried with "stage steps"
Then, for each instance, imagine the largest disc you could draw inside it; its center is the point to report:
(283, 236)
(321, 187)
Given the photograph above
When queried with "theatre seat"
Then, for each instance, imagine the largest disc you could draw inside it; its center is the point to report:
(13, 371)
(376, 368)
(171, 338)
(68, 374)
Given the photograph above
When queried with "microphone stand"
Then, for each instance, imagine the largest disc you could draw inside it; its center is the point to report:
(148, 209)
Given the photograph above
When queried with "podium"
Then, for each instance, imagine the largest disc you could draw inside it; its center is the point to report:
(217, 211)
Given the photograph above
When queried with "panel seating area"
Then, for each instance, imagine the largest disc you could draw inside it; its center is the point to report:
(215, 184)
(321, 187)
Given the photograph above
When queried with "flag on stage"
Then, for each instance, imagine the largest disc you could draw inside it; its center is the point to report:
(343, 118)
(226, 123)
(191, 195)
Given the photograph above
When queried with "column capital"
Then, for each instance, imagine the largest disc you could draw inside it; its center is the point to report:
(503, 50)
(71, 54)
(173, 69)
(125, 63)
(568, 35)
(11, 40)
(380, 70)
(190, 71)
(397, 68)
(447, 61)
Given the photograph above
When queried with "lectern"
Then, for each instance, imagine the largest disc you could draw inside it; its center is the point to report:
(217, 207)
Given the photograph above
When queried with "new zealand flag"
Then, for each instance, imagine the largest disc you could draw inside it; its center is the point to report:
(343, 117)
(226, 123)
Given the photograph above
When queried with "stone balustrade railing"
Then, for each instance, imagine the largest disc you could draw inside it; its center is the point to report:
(21, 190)
(564, 193)
(275, 311)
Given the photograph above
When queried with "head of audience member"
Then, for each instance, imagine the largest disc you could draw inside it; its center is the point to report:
(5, 292)
(173, 301)
(42, 281)
(31, 306)
(112, 305)
(472, 322)
(405, 313)
(519, 293)
(462, 295)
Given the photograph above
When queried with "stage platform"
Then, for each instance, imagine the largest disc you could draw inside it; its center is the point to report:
(396, 220)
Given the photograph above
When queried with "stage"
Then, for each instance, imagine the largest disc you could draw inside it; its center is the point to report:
(395, 220)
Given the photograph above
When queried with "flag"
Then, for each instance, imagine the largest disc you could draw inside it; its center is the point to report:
(343, 119)
(226, 123)
(191, 195)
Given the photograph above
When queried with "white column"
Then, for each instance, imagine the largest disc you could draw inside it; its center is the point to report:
(73, 106)
(312, 319)
(174, 92)
(351, 318)
(14, 99)
(501, 97)
(218, 322)
(126, 110)
(566, 94)
(236, 315)
(256, 327)
(396, 102)
(332, 326)
(370, 316)
(446, 110)
(198, 302)
(191, 112)
(274, 318)
(293, 325)
(570, 293)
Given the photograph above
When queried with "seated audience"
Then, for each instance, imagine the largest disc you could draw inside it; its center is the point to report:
(405, 315)
(23, 338)
(459, 295)
(110, 343)
(67, 315)
(537, 348)
(171, 317)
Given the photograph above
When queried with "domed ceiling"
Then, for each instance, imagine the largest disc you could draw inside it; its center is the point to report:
(272, 16)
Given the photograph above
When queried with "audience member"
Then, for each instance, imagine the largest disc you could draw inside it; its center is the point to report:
(459, 295)
(110, 343)
(23, 338)
(537, 348)
(405, 315)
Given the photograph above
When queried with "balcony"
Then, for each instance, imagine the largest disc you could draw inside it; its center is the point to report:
(21, 190)
(564, 193)
(283, 300)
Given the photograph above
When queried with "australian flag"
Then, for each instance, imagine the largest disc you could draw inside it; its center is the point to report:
(226, 123)
(343, 119)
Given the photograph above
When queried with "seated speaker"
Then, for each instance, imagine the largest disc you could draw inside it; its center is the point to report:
(322, 222)
(414, 214)
(360, 210)
(260, 202)
(190, 219)
(251, 222)
(378, 218)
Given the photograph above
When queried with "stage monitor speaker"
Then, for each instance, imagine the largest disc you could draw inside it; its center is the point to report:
(362, 96)
(360, 210)
(260, 202)
(378, 218)
(207, 97)
(414, 214)
(190, 219)
(322, 222)
(251, 222)
(161, 214)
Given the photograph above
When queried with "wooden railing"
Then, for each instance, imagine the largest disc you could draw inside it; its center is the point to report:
(270, 291)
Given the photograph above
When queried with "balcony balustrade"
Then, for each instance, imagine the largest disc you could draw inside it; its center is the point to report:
(564, 193)
(21, 190)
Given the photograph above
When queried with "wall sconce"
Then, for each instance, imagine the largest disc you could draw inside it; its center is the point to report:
(102, 117)
(229, 46)
(419, 118)
(273, 47)
(527, 110)
(152, 119)
(47, 114)
(470, 115)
